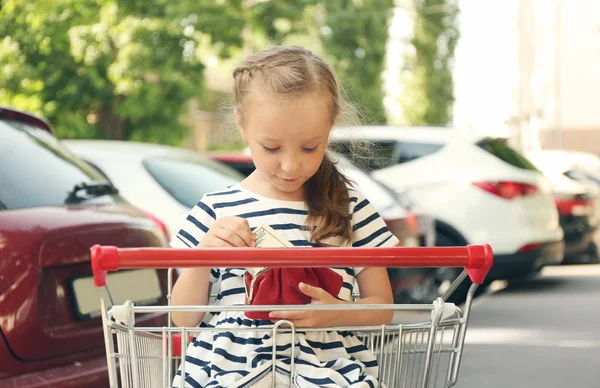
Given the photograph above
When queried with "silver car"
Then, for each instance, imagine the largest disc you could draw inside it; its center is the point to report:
(165, 182)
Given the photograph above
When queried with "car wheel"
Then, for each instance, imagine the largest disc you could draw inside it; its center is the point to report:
(412, 285)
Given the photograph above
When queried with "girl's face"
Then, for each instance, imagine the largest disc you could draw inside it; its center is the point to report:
(287, 140)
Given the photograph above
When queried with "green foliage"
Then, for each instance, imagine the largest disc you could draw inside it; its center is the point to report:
(127, 69)
(112, 69)
(427, 78)
(354, 37)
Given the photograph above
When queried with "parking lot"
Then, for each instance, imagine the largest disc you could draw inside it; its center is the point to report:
(539, 333)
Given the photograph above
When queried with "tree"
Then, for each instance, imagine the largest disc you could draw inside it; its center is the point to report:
(354, 36)
(127, 69)
(112, 69)
(427, 75)
(349, 34)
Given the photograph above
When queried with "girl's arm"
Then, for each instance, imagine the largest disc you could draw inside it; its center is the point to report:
(374, 287)
(188, 291)
(193, 285)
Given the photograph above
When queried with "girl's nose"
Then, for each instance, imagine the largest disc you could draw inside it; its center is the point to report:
(290, 166)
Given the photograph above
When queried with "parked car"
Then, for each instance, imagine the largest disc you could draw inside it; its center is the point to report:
(412, 229)
(578, 200)
(477, 188)
(580, 166)
(382, 197)
(53, 208)
(162, 180)
(168, 182)
(586, 163)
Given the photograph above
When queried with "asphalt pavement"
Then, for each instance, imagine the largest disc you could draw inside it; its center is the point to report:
(540, 333)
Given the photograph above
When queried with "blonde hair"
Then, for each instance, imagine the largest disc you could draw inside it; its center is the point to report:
(292, 71)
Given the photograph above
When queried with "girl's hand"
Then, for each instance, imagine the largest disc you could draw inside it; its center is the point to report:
(228, 232)
(311, 318)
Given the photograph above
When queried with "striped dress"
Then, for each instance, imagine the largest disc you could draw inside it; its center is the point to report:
(243, 359)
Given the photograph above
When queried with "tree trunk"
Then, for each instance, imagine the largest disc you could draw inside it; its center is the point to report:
(110, 124)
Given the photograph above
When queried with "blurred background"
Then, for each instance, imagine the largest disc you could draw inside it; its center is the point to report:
(483, 117)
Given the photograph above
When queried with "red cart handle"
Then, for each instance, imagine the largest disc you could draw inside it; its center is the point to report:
(476, 259)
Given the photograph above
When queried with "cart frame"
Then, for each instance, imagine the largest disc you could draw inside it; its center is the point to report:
(146, 356)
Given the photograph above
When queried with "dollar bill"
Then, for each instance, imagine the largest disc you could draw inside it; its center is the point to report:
(267, 237)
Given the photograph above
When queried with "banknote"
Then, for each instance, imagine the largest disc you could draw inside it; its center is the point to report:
(267, 237)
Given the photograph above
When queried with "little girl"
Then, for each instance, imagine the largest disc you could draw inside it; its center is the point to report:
(287, 101)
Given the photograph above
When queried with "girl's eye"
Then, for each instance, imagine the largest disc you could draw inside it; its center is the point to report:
(310, 150)
(272, 150)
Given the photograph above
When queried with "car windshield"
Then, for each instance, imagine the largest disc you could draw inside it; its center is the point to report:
(35, 169)
(187, 179)
(380, 154)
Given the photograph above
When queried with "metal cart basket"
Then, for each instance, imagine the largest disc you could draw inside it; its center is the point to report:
(424, 353)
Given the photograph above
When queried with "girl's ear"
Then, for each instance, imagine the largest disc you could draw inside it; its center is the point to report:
(239, 124)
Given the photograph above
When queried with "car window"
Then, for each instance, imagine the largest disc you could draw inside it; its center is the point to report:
(188, 179)
(242, 167)
(376, 155)
(35, 169)
(582, 175)
(502, 151)
(593, 175)
(408, 151)
(380, 154)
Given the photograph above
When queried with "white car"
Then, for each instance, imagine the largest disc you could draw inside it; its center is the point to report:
(577, 197)
(165, 182)
(479, 190)
(565, 167)
(581, 166)
(409, 285)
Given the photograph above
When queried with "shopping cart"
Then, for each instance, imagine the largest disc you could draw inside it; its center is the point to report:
(409, 354)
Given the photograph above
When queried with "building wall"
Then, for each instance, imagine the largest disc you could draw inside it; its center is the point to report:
(537, 71)
(587, 140)
(579, 67)
(572, 87)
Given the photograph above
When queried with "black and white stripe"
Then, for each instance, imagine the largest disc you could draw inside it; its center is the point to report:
(225, 359)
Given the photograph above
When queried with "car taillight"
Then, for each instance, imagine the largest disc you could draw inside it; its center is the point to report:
(574, 206)
(405, 229)
(161, 225)
(530, 247)
(507, 189)
(411, 219)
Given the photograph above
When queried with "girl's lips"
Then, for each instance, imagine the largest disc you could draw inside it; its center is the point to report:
(288, 180)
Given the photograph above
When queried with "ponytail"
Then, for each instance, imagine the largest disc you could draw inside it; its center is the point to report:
(328, 204)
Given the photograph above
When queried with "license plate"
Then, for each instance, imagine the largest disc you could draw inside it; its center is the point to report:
(139, 286)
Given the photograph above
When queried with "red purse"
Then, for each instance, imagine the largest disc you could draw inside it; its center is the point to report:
(280, 286)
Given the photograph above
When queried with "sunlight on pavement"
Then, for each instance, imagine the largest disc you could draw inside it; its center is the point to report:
(525, 337)
(572, 270)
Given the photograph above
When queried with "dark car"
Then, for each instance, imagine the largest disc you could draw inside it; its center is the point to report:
(578, 218)
(53, 208)
(577, 197)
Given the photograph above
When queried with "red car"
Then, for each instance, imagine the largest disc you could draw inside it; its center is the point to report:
(53, 208)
